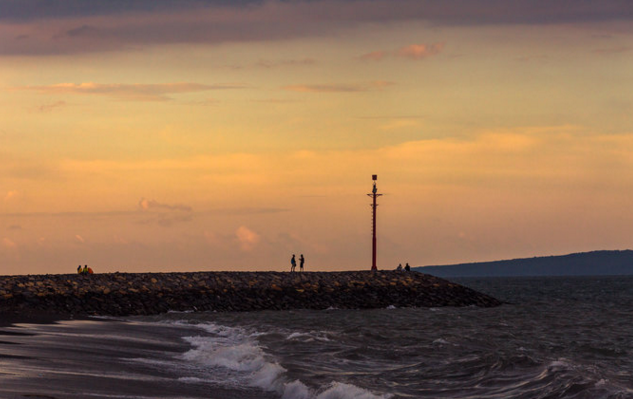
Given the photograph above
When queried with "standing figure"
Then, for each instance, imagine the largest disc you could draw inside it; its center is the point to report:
(293, 263)
(407, 267)
(301, 262)
(79, 269)
(85, 270)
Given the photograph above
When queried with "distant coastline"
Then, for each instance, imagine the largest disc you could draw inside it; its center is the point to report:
(595, 263)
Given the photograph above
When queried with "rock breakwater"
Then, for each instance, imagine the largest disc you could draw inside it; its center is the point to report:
(122, 294)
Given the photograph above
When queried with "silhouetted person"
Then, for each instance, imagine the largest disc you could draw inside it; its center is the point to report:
(85, 270)
(79, 269)
(293, 263)
(407, 267)
(399, 268)
(301, 262)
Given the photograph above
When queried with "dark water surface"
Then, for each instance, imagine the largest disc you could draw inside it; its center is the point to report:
(559, 338)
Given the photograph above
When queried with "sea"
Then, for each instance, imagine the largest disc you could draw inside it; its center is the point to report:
(556, 337)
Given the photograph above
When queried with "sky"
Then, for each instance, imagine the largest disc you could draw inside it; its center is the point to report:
(164, 135)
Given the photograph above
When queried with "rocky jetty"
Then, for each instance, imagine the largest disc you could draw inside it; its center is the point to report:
(122, 294)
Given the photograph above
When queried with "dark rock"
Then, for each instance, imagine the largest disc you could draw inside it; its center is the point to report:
(120, 294)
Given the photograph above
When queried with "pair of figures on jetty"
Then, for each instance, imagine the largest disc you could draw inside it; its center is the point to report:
(85, 270)
(407, 268)
(293, 263)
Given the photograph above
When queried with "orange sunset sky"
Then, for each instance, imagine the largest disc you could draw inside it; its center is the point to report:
(157, 135)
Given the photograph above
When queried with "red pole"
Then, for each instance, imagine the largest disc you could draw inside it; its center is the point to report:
(374, 194)
(373, 241)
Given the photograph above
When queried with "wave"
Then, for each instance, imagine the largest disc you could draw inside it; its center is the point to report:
(233, 357)
(308, 337)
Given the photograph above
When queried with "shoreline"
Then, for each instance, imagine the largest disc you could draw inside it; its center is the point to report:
(66, 296)
(10, 319)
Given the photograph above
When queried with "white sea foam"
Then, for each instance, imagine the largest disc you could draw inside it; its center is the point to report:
(295, 390)
(239, 357)
(233, 357)
(296, 335)
(391, 307)
(346, 391)
(560, 364)
(309, 336)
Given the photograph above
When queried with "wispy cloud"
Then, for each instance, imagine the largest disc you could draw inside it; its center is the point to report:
(410, 52)
(165, 215)
(132, 92)
(400, 123)
(612, 50)
(247, 238)
(338, 87)
(146, 205)
(285, 63)
(10, 195)
(50, 107)
(9, 244)
(374, 56)
(531, 58)
(420, 51)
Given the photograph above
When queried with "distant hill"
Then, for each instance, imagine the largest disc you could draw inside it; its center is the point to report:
(596, 263)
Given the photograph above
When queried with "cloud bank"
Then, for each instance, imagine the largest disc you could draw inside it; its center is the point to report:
(132, 92)
(39, 27)
(338, 87)
(411, 52)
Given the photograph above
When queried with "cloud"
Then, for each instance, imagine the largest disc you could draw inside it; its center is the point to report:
(9, 244)
(133, 92)
(420, 51)
(400, 123)
(145, 205)
(209, 102)
(164, 219)
(45, 108)
(448, 11)
(411, 52)
(285, 63)
(338, 88)
(532, 58)
(11, 195)
(374, 56)
(247, 238)
(70, 27)
(165, 215)
(83, 30)
(10, 249)
(613, 50)
(30, 169)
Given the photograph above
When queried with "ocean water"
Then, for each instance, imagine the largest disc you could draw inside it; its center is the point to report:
(557, 338)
